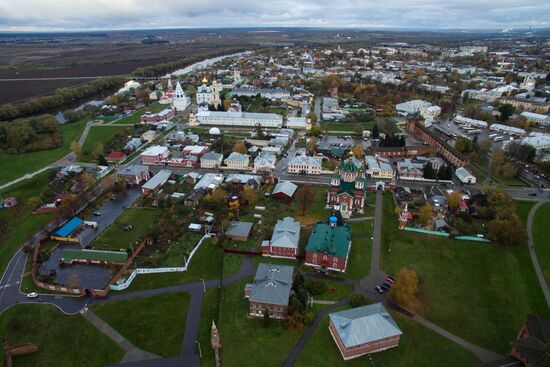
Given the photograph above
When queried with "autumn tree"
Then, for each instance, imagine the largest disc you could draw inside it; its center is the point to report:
(249, 195)
(358, 151)
(312, 145)
(404, 290)
(375, 133)
(98, 151)
(453, 199)
(240, 147)
(506, 229)
(75, 148)
(235, 207)
(33, 202)
(88, 180)
(304, 197)
(425, 214)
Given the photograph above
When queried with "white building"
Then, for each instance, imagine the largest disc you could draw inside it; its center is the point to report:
(539, 119)
(211, 160)
(180, 101)
(154, 155)
(239, 119)
(264, 162)
(426, 109)
(464, 176)
(300, 123)
(505, 129)
(305, 165)
(208, 95)
(269, 93)
(378, 167)
(237, 160)
(470, 122)
(539, 141)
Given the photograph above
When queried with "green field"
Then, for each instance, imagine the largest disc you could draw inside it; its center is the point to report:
(63, 341)
(25, 225)
(134, 118)
(115, 237)
(347, 126)
(154, 324)
(361, 250)
(99, 135)
(17, 165)
(418, 346)
(68, 255)
(206, 264)
(481, 292)
(540, 236)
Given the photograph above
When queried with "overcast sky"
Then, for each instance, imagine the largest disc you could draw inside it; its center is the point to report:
(47, 15)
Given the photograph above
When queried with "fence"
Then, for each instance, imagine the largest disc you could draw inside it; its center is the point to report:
(445, 234)
(174, 269)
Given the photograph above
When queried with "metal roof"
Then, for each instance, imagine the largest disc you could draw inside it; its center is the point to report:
(363, 325)
(68, 227)
(272, 284)
(239, 229)
(159, 179)
(285, 187)
(331, 240)
(286, 233)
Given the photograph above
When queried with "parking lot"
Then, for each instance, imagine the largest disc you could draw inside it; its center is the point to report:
(340, 142)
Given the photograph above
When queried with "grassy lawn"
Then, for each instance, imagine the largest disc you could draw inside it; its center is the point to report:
(206, 264)
(481, 292)
(239, 333)
(361, 250)
(335, 291)
(135, 117)
(348, 126)
(178, 252)
(209, 313)
(99, 135)
(416, 348)
(62, 340)
(116, 238)
(514, 181)
(154, 324)
(24, 225)
(542, 243)
(17, 165)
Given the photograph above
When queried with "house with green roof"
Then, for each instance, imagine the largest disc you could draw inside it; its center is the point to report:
(328, 246)
(348, 187)
(363, 330)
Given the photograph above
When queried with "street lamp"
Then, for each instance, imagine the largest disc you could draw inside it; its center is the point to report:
(203, 285)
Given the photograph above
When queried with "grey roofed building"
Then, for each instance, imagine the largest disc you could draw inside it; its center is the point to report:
(157, 180)
(238, 229)
(272, 284)
(362, 325)
(209, 181)
(244, 179)
(131, 170)
(286, 233)
(285, 187)
(212, 155)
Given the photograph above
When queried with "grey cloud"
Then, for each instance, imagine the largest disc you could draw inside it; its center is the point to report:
(116, 14)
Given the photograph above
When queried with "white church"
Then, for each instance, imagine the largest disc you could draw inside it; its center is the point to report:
(180, 101)
(208, 95)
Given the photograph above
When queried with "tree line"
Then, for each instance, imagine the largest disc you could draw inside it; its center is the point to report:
(30, 134)
(60, 97)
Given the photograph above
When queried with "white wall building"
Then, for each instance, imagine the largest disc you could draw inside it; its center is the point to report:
(239, 119)
(237, 160)
(211, 160)
(464, 176)
(264, 162)
(304, 164)
(180, 101)
(378, 167)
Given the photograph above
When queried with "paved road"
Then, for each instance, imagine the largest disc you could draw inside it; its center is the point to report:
(533, 252)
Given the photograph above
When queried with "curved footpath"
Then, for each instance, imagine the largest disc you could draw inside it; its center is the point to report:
(533, 252)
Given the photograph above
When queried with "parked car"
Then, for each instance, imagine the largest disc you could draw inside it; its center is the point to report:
(389, 280)
(390, 277)
(32, 295)
(97, 214)
(384, 287)
(379, 289)
(387, 284)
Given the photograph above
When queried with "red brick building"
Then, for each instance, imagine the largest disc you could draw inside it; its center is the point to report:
(163, 115)
(347, 187)
(533, 342)
(416, 126)
(328, 246)
(154, 155)
(284, 241)
(363, 330)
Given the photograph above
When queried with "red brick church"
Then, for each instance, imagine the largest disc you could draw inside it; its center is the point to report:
(347, 187)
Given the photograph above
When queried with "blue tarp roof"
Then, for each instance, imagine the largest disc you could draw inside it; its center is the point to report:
(68, 227)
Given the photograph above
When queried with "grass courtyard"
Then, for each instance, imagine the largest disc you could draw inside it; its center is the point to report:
(416, 348)
(62, 340)
(17, 165)
(135, 117)
(117, 238)
(481, 292)
(154, 324)
(361, 250)
(99, 135)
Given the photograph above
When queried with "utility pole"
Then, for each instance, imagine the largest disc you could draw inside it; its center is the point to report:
(203, 285)
(200, 350)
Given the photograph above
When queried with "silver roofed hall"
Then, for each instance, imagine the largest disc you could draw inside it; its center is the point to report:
(270, 290)
(239, 119)
(363, 330)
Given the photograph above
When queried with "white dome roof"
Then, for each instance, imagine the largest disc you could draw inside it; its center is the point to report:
(214, 131)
